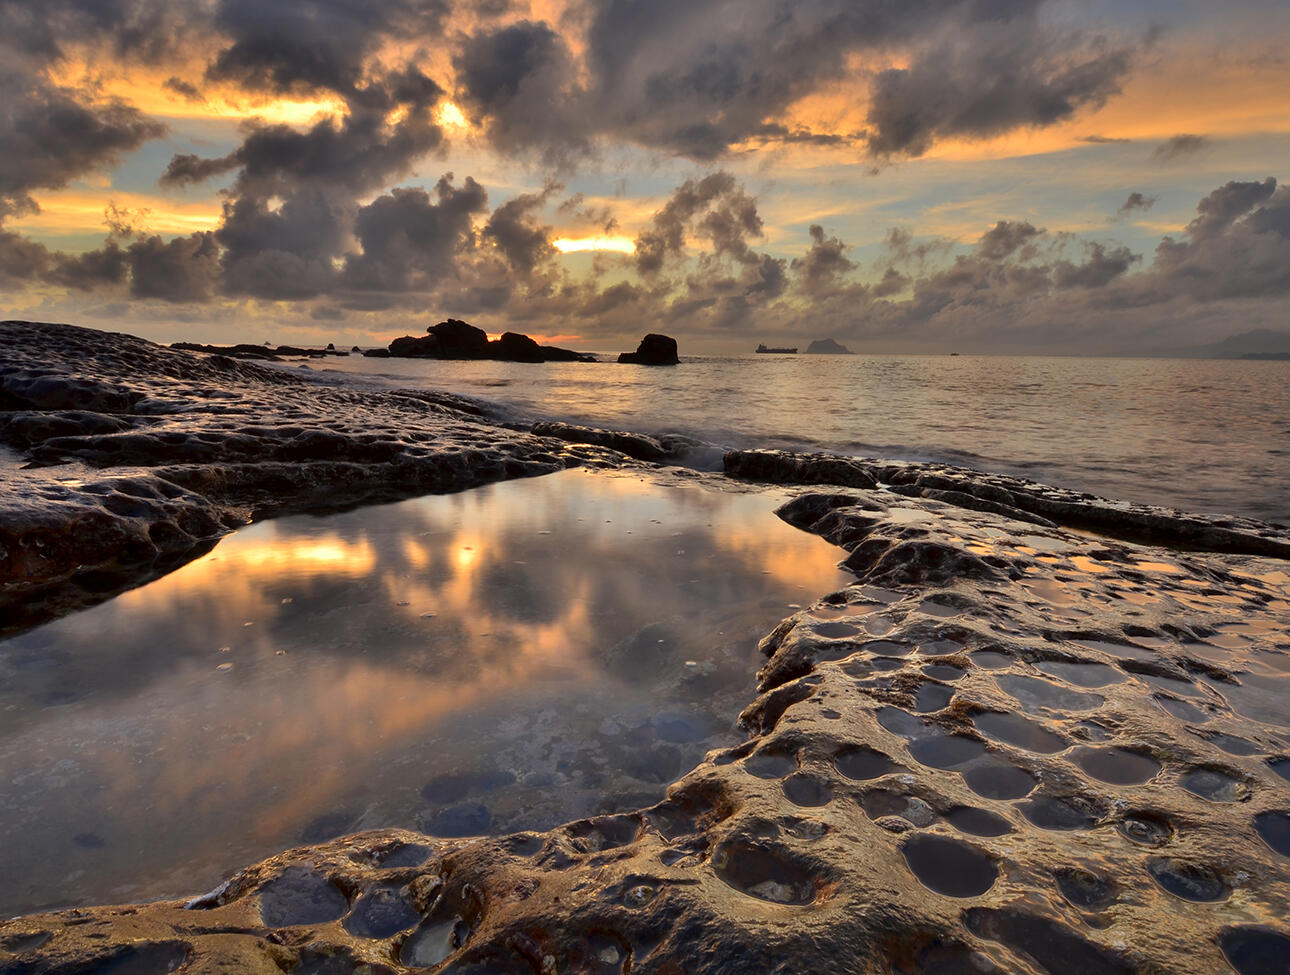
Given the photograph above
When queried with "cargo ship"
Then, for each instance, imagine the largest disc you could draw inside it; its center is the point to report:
(768, 349)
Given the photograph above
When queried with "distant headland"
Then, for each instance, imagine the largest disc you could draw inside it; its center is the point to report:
(827, 347)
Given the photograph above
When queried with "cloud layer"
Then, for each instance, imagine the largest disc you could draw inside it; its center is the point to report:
(324, 218)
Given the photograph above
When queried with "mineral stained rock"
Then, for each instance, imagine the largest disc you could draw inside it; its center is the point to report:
(654, 350)
(1009, 747)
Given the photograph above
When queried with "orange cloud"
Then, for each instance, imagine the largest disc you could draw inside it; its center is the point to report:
(76, 211)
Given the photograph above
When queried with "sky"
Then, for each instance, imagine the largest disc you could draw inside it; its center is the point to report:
(1084, 176)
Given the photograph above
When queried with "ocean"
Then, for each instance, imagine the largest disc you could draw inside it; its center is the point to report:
(1202, 435)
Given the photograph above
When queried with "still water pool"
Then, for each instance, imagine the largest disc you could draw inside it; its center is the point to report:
(511, 657)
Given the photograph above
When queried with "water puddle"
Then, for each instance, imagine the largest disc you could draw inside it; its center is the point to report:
(950, 867)
(512, 657)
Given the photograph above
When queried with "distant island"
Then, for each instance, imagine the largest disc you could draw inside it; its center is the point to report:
(1269, 356)
(827, 347)
(1258, 343)
(265, 352)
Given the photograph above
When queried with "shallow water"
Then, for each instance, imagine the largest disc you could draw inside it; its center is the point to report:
(1198, 434)
(515, 656)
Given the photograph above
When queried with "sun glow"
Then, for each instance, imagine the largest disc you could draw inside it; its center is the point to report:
(450, 116)
(77, 211)
(618, 245)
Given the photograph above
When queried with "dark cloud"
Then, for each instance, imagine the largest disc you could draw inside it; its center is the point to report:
(892, 283)
(410, 241)
(184, 89)
(513, 229)
(1005, 238)
(90, 271)
(602, 217)
(1179, 147)
(21, 259)
(767, 279)
(715, 207)
(518, 81)
(824, 264)
(686, 77)
(1237, 247)
(52, 135)
(284, 253)
(988, 79)
(1136, 201)
(184, 269)
(798, 136)
(130, 29)
(1217, 212)
(295, 197)
(188, 168)
(1103, 140)
(1100, 269)
(319, 45)
(900, 248)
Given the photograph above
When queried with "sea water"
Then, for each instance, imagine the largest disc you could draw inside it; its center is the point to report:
(1203, 435)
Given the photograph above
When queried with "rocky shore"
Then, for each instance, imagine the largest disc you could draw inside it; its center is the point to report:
(1041, 733)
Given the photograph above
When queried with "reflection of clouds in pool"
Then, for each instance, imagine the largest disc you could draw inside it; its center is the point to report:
(391, 642)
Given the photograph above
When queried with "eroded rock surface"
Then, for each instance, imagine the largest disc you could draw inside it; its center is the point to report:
(1009, 747)
(1004, 749)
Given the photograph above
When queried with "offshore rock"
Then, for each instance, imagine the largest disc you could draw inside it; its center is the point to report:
(455, 339)
(459, 340)
(654, 350)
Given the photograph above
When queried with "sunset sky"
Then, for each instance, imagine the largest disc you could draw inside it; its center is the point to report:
(976, 175)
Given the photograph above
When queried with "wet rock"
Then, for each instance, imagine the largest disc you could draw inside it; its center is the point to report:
(1256, 950)
(1188, 881)
(463, 819)
(950, 867)
(380, 913)
(1085, 889)
(300, 896)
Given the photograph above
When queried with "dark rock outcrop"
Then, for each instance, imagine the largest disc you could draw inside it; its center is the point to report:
(455, 339)
(459, 340)
(654, 350)
(1016, 498)
(827, 347)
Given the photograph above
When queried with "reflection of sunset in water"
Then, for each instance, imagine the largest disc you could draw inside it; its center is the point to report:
(583, 636)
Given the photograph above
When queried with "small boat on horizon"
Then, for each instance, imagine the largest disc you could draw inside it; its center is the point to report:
(783, 351)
